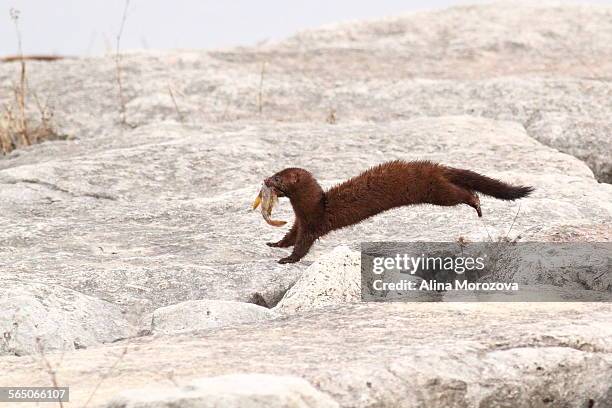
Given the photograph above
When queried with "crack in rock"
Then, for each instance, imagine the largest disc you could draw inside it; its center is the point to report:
(54, 187)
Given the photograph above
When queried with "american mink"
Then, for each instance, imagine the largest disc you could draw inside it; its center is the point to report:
(380, 188)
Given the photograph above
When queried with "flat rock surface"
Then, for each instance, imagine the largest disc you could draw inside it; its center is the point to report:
(399, 354)
(158, 223)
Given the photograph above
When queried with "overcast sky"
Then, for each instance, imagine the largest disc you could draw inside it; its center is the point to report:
(89, 27)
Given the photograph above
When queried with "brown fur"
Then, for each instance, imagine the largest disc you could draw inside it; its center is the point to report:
(388, 185)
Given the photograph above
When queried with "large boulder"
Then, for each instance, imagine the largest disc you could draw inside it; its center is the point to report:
(472, 41)
(41, 318)
(544, 66)
(543, 272)
(584, 136)
(569, 265)
(202, 315)
(378, 354)
(332, 279)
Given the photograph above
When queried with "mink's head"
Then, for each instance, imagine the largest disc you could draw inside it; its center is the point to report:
(287, 182)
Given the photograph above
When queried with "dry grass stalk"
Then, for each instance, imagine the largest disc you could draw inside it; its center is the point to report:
(20, 97)
(46, 115)
(122, 103)
(48, 367)
(331, 117)
(178, 111)
(261, 82)
(18, 122)
(106, 375)
(6, 129)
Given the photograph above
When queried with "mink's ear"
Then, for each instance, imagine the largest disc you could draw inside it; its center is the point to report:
(294, 177)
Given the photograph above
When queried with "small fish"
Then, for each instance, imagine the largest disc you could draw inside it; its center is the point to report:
(268, 199)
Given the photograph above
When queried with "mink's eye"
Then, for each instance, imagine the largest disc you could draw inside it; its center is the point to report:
(277, 179)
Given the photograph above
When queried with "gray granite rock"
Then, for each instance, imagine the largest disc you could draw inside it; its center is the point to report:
(551, 75)
(363, 355)
(38, 318)
(195, 315)
(333, 279)
(543, 272)
(168, 220)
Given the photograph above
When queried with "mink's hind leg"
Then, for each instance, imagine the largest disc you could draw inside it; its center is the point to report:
(448, 194)
(475, 203)
(289, 238)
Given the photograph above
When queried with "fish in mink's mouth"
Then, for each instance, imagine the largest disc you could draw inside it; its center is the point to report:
(277, 190)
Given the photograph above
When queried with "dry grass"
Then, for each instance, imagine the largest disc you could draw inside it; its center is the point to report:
(260, 101)
(331, 117)
(17, 129)
(48, 367)
(51, 370)
(180, 115)
(122, 103)
(106, 374)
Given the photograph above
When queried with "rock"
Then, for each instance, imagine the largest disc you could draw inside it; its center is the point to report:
(588, 138)
(471, 41)
(574, 233)
(459, 61)
(202, 315)
(332, 279)
(586, 266)
(231, 391)
(568, 272)
(158, 225)
(43, 318)
(119, 221)
(377, 354)
(532, 292)
(582, 267)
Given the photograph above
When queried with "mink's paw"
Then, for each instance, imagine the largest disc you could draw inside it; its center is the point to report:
(289, 259)
(279, 244)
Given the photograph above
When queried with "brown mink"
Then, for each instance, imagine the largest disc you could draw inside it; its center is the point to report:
(380, 188)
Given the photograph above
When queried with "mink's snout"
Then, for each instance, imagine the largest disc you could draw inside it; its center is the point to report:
(276, 185)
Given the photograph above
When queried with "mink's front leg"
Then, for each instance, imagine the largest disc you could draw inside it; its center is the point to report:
(289, 238)
(302, 246)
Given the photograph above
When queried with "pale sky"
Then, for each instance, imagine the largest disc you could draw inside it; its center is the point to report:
(89, 27)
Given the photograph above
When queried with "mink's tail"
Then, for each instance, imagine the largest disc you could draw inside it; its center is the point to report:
(495, 188)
